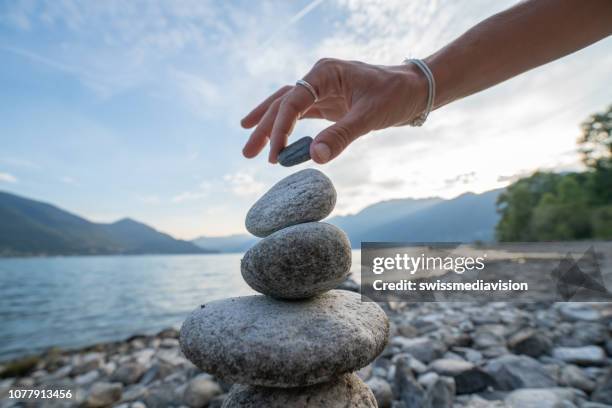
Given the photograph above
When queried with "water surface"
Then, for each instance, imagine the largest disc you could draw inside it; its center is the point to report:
(76, 301)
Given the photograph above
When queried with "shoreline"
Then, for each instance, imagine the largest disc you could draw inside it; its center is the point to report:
(469, 353)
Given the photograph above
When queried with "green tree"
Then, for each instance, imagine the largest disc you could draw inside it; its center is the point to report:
(596, 148)
(550, 207)
(596, 139)
(516, 206)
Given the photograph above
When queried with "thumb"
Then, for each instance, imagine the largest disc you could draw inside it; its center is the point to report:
(332, 141)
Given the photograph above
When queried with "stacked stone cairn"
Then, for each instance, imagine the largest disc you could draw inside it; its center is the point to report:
(298, 344)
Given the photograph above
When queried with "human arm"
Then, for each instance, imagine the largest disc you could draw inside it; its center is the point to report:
(361, 97)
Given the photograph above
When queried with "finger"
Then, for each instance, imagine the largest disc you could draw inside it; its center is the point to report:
(258, 139)
(332, 141)
(293, 104)
(256, 114)
(312, 113)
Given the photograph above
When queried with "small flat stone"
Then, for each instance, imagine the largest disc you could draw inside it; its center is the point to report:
(297, 262)
(587, 355)
(541, 398)
(511, 372)
(258, 340)
(346, 391)
(305, 196)
(296, 153)
(530, 342)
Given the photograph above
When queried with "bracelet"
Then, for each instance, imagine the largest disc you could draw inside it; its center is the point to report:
(431, 90)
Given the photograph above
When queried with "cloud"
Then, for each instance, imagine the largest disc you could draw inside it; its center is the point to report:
(200, 94)
(149, 199)
(7, 178)
(201, 192)
(68, 180)
(243, 184)
(291, 21)
(18, 162)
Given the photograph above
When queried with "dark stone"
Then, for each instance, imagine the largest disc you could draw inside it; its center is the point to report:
(406, 388)
(603, 390)
(295, 153)
(530, 342)
(511, 372)
(468, 378)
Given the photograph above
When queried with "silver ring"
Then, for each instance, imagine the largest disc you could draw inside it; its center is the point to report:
(309, 87)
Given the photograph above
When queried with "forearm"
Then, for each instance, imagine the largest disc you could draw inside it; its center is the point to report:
(523, 37)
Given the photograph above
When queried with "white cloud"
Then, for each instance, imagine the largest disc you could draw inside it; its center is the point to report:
(200, 94)
(243, 184)
(7, 178)
(149, 199)
(68, 180)
(201, 192)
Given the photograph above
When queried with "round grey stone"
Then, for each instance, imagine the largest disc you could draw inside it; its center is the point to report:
(305, 196)
(297, 262)
(346, 391)
(258, 340)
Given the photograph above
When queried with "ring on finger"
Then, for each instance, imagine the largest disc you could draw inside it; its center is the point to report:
(309, 87)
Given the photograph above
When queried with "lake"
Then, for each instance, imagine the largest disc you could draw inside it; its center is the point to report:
(77, 301)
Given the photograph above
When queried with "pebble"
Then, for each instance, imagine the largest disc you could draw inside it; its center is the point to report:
(573, 376)
(587, 355)
(296, 153)
(346, 391)
(382, 391)
(128, 373)
(540, 398)
(272, 343)
(422, 348)
(305, 196)
(200, 391)
(511, 372)
(103, 394)
(87, 378)
(298, 262)
(603, 390)
(577, 311)
(530, 342)
(468, 378)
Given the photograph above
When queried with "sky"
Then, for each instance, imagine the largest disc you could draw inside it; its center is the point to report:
(113, 109)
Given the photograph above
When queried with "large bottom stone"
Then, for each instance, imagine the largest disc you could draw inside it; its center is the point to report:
(258, 340)
(347, 391)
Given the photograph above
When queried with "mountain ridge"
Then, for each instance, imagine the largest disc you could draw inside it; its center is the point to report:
(34, 228)
(466, 218)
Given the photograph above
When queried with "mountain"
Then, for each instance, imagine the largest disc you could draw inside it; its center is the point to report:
(467, 218)
(357, 225)
(29, 227)
(229, 243)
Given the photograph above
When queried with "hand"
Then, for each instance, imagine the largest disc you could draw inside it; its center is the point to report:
(358, 97)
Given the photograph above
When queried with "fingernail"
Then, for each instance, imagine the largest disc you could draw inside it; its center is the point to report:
(322, 152)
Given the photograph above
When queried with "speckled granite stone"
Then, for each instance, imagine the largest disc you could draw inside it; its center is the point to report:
(305, 196)
(345, 391)
(257, 340)
(300, 261)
